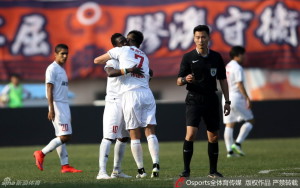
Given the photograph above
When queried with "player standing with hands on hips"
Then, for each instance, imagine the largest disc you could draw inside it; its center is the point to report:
(241, 104)
(199, 70)
(59, 111)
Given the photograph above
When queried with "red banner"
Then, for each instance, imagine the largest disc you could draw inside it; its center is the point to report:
(29, 30)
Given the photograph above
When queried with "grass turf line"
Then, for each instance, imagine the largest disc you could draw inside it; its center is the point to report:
(279, 156)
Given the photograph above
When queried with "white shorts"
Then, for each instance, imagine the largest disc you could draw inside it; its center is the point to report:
(113, 121)
(139, 108)
(62, 121)
(239, 110)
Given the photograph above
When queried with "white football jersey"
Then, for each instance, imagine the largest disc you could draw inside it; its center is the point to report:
(234, 73)
(113, 83)
(129, 56)
(56, 75)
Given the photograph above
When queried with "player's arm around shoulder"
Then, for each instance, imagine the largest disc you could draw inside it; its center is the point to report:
(102, 59)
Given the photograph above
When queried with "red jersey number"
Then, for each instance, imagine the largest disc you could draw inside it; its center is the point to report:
(64, 127)
(115, 129)
(140, 64)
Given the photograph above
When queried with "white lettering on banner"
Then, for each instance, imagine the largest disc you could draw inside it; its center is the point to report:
(182, 25)
(152, 27)
(31, 37)
(233, 26)
(279, 25)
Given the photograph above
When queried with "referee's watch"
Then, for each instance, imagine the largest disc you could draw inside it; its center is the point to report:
(183, 80)
(228, 102)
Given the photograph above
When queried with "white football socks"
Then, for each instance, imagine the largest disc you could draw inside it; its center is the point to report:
(153, 148)
(228, 138)
(104, 152)
(137, 152)
(53, 144)
(119, 151)
(63, 154)
(244, 131)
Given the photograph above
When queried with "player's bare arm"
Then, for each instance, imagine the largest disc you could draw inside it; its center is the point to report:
(244, 93)
(111, 72)
(102, 59)
(184, 80)
(224, 87)
(51, 113)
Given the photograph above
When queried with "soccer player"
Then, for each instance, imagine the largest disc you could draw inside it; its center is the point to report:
(199, 70)
(113, 121)
(14, 93)
(137, 100)
(59, 110)
(240, 103)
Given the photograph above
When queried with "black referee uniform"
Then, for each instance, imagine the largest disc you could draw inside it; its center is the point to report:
(202, 100)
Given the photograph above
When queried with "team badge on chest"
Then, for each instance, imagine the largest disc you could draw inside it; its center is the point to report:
(213, 71)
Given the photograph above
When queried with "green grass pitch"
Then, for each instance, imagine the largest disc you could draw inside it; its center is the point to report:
(276, 157)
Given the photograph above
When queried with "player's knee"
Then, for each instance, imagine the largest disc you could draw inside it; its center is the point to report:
(125, 139)
(230, 125)
(191, 133)
(150, 129)
(213, 139)
(65, 138)
(190, 137)
(212, 136)
(109, 139)
(135, 134)
(252, 121)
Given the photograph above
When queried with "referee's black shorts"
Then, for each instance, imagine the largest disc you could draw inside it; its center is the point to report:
(203, 106)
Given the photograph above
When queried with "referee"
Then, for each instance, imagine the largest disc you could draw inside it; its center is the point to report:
(199, 70)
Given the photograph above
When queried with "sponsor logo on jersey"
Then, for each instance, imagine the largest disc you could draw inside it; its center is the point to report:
(195, 61)
(63, 83)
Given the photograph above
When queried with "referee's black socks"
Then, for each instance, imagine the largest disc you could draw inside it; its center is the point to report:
(188, 148)
(213, 154)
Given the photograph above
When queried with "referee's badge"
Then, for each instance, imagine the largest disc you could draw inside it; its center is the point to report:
(213, 71)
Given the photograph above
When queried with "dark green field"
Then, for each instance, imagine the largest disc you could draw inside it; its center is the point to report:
(275, 157)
